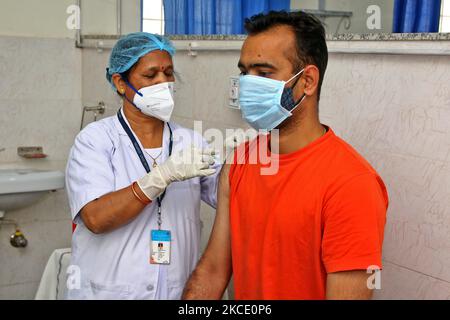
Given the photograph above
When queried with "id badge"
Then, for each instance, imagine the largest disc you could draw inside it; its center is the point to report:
(160, 247)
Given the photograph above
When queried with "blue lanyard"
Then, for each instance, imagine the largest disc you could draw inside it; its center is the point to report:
(141, 154)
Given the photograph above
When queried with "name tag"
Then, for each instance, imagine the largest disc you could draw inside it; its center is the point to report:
(160, 247)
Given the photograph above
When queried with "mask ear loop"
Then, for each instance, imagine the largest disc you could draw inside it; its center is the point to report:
(299, 102)
(134, 89)
(304, 94)
(295, 76)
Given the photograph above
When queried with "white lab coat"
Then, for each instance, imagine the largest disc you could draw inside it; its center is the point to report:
(115, 265)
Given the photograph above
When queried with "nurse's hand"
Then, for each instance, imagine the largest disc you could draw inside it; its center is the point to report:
(186, 164)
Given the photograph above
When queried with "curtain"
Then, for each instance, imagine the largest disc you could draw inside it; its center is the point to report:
(201, 17)
(416, 15)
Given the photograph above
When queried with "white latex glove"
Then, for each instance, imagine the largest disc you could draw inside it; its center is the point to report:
(185, 164)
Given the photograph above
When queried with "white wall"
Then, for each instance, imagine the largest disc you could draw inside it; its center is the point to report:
(395, 111)
(41, 105)
(29, 18)
(47, 18)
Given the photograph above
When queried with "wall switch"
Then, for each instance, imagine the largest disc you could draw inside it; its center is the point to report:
(234, 93)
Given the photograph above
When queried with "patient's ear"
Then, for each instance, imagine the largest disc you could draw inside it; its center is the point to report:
(310, 80)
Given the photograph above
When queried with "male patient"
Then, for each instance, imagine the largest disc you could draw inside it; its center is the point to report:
(313, 229)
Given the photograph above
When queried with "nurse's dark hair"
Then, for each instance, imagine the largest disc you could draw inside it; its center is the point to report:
(125, 75)
(311, 44)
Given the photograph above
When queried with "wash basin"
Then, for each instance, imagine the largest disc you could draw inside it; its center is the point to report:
(20, 188)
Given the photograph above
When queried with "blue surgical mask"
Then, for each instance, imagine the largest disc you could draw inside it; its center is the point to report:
(266, 103)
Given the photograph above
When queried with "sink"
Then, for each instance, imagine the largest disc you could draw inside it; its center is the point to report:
(20, 188)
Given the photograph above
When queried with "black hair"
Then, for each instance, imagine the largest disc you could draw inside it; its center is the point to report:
(310, 37)
(125, 76)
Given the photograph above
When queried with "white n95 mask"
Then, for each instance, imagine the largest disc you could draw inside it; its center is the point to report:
(155, 101)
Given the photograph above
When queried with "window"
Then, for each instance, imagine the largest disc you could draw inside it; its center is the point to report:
(203, 17)
(445, 16)
(153, 16)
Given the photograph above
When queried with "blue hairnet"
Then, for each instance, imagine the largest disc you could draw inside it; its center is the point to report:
(130, 48)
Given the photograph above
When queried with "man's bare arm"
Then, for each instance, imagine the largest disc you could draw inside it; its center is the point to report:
(212, 274)
(348, 285)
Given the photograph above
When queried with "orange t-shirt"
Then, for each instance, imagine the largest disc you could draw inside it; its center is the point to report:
(324, 211)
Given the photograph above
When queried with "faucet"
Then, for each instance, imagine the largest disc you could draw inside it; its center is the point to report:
(99, 109)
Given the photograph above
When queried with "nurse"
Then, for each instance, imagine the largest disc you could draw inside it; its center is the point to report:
(135, 182)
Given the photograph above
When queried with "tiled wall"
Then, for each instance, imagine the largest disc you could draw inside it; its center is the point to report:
(396, 111)
(40, 105)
